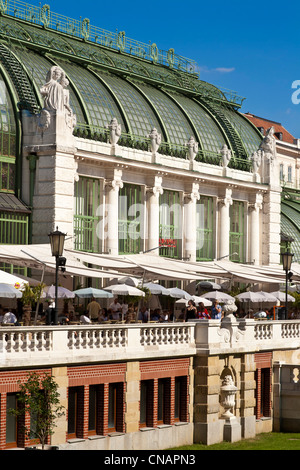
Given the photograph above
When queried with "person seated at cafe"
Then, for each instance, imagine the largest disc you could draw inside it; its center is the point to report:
(203, 312)
(143, 315)
(130, 314)
(10, 317)
(115, 308)
(155, 315)
(84, 318)
(103, 316)
(164, 316)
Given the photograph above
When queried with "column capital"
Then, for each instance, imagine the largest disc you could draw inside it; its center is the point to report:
(115, 182)
(194, 195)
(227, 199)
(157, 188)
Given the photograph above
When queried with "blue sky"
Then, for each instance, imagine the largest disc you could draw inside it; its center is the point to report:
(251, 47)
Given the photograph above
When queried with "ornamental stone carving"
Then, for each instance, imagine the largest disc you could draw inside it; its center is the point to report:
(268, 145)
(155, 140)
(56, 96)
(228, 393)
(193, 148)
(227, 200)
(256, 160)
(226, 155)
(114, 131)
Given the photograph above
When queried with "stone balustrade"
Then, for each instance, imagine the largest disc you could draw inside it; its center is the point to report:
(41, 345)
(48, 345)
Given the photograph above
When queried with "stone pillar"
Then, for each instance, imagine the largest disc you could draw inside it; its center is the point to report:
(255, 230)
(190, 242)
(224, 223)
(247, 398)
(112, 187)
(207, 426)
(153, 214)
(60, 375)
(132, 397)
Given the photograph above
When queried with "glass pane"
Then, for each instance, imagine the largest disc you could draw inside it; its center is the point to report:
(160, 402)
(143, 403)
(11, 421)
(72, 410)
(112, 406)
(92, 407)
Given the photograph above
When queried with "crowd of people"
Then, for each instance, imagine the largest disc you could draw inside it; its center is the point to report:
(128, 313)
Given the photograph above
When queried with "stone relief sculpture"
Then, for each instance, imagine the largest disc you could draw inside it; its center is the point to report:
(256, 160)
(226, 155)
(114, 131)
(56, 98)
(193, 148)
(268, 145)
(155, 140)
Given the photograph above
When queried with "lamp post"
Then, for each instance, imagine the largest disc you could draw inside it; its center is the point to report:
(57, 240)
(286, 264)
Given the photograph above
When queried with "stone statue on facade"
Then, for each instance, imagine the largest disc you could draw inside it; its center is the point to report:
(193, 148)
(226, 155)
(155, 140)
(256, 160)
(56, 98)
(268, 145)
(115, 131)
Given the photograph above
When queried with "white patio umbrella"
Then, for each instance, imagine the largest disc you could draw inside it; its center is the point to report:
(179, 293)
(62, 292)
(197, 300)
(251, 297)
(9, 292)
(89, 292)
(268, 297)
(124, 289)
(11, 279)
(156, 289)
(217, 295)
(281, 296)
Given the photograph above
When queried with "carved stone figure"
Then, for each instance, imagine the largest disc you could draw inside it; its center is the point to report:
(268, 145)
(114, 131)
(155, 140)
(193, 148)
(256, 160)
(53, 91)
(226, 155)
(56, 98)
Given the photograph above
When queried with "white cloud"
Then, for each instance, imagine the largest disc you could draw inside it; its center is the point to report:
(205, 69)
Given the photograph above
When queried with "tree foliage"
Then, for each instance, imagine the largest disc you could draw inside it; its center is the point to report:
(39, 397)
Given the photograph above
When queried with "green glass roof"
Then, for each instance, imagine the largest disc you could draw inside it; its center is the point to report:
(290, 219)
(111, 76)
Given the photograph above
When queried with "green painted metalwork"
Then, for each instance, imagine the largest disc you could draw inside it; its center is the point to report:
(87, 199)
(13, 228)
(131, 218)
(205, 229)
(237, 232)
(249, 135)
(170, 222)
(82, 28)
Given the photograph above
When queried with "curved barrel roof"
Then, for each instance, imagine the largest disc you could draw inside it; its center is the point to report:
(142, 90)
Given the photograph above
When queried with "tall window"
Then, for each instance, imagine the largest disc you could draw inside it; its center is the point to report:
(204, 229)
(7, 141)
(170, 223)
(131, 216)
(289, 174)
(181, 399)
(73, 412)
(281, 175)
(87, 215)
(237, 231)
(11, 421)
(263, 392)
(115, 407)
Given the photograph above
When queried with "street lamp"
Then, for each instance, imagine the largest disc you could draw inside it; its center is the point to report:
(57, 240)
(286, 264)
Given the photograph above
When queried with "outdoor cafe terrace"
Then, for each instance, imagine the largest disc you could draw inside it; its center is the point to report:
(75, 344)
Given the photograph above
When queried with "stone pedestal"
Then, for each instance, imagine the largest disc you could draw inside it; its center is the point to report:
(232, 430)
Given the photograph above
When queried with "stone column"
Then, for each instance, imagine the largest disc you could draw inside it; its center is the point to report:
(255, 230)
(190, 236)
(224, 223)
(112, 187)
(60, 375)
(153, 214)
(132, 397)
